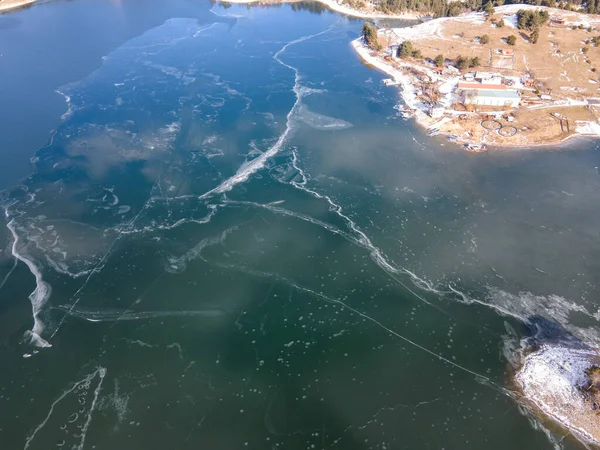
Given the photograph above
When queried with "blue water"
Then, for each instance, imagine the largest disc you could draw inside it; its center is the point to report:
(230, 239)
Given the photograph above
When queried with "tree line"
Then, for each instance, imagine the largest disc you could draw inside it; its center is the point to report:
(452, 8)
(407, 50)
(530, 20)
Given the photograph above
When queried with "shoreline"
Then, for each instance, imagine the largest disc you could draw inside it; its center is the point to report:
(6, 6)
(550, 380)
(375, 60)
(333, 5)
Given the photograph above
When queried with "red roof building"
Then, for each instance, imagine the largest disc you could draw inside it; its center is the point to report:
(494, 87)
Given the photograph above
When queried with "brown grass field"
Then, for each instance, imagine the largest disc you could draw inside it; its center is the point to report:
(557, 59)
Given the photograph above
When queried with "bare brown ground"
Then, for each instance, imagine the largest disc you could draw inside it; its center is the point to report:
(556, 59)
(535, 127)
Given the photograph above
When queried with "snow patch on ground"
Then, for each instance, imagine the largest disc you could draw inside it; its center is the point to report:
(550, 378)
(591, 128)
(421, 31)
(510, 20)
(447, 89)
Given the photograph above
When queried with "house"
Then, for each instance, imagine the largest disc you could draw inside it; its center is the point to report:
(491, 97)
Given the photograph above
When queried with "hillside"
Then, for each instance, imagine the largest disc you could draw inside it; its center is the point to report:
(562, 62)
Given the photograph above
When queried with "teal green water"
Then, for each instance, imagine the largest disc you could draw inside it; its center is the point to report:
(231, 240)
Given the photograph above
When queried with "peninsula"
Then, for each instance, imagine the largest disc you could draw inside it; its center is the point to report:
(562, 381)
(514, 76)
(509, 76)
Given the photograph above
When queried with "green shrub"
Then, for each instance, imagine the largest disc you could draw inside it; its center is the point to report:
(462, 63)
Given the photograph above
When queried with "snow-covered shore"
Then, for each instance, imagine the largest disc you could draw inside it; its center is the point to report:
(551, 379)
(7, 5)
(341, 8)
(408, 88)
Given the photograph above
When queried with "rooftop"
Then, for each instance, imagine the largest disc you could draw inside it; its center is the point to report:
(495, 93)
(481, 86)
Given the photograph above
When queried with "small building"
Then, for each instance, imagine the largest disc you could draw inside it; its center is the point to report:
(394, 51)
(557, 21)
(491, 97)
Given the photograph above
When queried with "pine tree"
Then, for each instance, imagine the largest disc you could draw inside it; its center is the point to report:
(369, 35)
(439, 60)
(405, 50)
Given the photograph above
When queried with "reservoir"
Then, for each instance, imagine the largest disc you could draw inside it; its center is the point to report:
(220, 233)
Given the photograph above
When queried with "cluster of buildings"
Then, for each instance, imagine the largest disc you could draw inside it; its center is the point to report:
(486, 89)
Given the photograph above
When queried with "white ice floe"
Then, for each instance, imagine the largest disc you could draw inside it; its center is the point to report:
(39, 296)
(320, 121)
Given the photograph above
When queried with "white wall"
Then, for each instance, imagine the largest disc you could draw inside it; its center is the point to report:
(493, 101)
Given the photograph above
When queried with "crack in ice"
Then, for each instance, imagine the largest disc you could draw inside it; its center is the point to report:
(247, 169)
